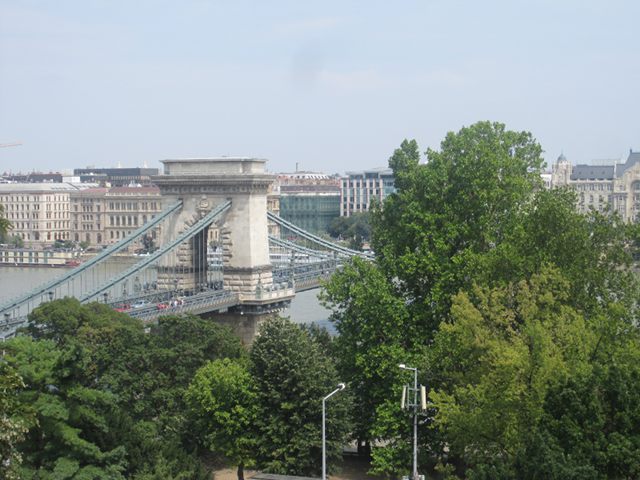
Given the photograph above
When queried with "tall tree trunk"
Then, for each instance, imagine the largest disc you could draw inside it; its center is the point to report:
(241, 471)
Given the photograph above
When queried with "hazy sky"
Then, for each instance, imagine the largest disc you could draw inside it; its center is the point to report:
(332, 85)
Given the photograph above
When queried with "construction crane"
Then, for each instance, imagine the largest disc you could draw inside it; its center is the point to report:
(16, 144)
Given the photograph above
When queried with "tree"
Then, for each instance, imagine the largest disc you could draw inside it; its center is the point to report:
(15, 420)
(497, 359)
(291, 378)
(143, 377)
(375, 336)
(73, 436)
(529, 388)
(474, 214)
(355, 228)
(15, 241)
(179, 346)
(447, 212)
(222, 398)
(5, 224)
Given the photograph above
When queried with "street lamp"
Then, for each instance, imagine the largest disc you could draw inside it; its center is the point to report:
(415, 418)
(324, 440)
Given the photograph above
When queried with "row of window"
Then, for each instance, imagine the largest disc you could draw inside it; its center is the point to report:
(86, 208)
(50, 235)
(33, 198)
(585, 187)
(133, 206)
(35, 225)
(126, 220)
(87, 238)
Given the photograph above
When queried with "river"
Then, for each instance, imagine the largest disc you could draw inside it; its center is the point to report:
(305, 308)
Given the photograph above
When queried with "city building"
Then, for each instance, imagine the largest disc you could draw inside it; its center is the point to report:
(88, 214)
(309, 200)
(360, 189)
(607, 185)
(128, 208)
(116, 177)
(33, 177)
(39, 212)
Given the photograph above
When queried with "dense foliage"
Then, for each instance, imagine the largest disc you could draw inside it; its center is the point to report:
(103, 399)
(222, 399)
(267, 412)
(292, 374)
(520, 313)
(5, 224)
(355, 229)
(88, 394)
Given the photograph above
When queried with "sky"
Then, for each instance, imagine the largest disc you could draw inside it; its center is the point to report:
(329, 86)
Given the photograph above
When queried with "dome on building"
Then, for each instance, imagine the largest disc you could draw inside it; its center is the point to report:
(562, 158)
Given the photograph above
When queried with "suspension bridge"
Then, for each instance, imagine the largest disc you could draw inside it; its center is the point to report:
(245, 276)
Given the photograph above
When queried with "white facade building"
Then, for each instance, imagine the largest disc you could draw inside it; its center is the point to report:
(38, 212)
(612, 185)
(359, 189)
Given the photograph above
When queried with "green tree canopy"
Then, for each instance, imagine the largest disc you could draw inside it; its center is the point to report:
(292, 376)
(527, 388)
(222, 398)
(74, 433)
(473, 216)
(5, 224)
(356, 229)
(15, 419)
(112, 389)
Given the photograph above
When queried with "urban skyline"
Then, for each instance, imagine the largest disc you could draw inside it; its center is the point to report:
(548, 168)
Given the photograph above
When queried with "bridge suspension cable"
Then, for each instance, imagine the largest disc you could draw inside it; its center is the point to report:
(196, 228)
(315, 239)
(102, 256)
(298, 248)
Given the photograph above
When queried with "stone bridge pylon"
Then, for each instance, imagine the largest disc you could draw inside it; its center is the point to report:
(202, 184)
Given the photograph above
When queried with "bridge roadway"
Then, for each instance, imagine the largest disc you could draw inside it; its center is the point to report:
(306, 276)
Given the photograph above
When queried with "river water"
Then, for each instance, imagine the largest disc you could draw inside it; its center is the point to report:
(305, 307)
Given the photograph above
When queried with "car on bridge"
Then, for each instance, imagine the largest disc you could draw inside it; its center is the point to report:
(140, 304)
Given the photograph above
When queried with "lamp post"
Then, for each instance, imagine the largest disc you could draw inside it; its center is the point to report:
(415, 418)
(324, 440)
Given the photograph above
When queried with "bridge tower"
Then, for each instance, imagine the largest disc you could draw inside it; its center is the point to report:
(202, 184)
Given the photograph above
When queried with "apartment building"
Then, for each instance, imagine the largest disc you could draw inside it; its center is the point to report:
(360, 189)
(603, 186)
(39, 212)
(127, 209)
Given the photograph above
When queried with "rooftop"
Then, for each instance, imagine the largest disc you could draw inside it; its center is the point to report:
(43, 187)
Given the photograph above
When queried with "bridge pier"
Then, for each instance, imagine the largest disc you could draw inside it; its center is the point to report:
(201, 185)
(244, 326)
